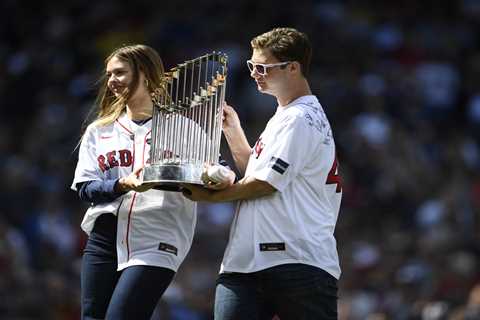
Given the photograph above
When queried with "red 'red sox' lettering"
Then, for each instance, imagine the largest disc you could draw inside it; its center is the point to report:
(112, 160)
(101, 163)
(125, 158)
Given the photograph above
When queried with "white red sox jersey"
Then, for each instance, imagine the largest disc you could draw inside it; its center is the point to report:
(296, 155)
(154, 227)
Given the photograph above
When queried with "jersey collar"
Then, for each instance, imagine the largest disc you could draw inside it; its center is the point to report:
(310, 100)
(130, 127)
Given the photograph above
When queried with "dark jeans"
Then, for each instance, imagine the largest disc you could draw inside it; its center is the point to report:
(110, 294)
(290, 291)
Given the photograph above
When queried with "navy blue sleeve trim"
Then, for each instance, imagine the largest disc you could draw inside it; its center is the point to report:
(278, 165)
(98, 191)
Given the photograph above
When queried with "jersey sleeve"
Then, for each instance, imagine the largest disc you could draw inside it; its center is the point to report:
(288, 154)
(87, 166)
(97, 192)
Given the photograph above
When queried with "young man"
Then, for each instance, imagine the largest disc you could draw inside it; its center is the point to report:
(281, 258)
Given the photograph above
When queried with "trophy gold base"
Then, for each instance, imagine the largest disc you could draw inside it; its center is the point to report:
(170, 177)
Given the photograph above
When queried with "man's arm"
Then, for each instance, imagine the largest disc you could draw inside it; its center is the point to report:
(246, 188)
(236, 139)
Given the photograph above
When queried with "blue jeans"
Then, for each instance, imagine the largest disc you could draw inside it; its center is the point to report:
(110, 294)
(290, 291)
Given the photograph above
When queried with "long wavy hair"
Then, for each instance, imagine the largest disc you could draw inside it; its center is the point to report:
(141, 58)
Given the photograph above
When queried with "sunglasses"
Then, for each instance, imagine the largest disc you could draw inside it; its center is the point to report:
(262, 69)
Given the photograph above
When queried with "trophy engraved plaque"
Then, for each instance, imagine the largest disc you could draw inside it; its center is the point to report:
(187, 122)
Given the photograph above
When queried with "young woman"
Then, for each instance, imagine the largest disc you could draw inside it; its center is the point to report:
(137, 236)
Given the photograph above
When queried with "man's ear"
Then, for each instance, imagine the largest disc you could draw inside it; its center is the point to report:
(295, 66)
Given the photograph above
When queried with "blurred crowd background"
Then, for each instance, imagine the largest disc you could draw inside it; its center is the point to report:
(399, 81)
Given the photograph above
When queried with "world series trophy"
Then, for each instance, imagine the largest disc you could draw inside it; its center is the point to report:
(187, 122)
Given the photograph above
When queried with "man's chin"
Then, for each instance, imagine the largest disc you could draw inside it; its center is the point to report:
(261, 88)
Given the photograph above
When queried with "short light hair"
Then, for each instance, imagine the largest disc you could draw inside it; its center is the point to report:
(286, 44)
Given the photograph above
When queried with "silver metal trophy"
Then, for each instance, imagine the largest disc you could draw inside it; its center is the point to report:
(187, 122)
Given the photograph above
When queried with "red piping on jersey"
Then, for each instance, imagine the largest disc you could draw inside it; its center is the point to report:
(130, 211)
(133, 151)
(128, 226)
(134, 195)
(131, 133)
(128, 130)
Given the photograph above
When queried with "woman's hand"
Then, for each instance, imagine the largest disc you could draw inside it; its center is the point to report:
(132, 182)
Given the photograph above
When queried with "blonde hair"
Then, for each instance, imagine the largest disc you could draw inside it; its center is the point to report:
(141, 58)
(286, 44)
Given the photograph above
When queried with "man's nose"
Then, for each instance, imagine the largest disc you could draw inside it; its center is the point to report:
(254, 73)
